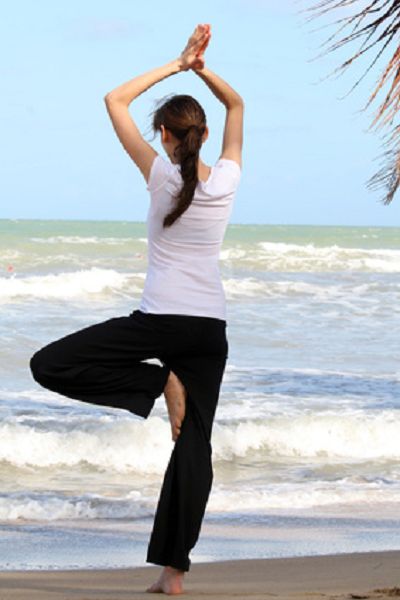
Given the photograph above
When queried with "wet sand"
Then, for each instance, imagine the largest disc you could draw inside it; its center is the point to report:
(328, 577)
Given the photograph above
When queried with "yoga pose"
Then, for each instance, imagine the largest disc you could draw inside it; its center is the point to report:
(181, 318)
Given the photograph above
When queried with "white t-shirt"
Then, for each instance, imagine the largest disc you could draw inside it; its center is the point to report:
(183, 274)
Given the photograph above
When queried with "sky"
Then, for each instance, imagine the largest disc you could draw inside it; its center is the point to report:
(307, 152)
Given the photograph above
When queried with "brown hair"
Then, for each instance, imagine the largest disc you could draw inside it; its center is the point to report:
(185, 118)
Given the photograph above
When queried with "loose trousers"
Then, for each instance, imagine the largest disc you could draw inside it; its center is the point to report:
(103, 364)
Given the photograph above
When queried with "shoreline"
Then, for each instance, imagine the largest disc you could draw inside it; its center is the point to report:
(342, 576)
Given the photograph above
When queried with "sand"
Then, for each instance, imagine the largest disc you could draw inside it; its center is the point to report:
(328, 577)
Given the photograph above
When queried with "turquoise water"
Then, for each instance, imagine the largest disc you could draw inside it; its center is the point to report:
(15, 230)
(306, 442)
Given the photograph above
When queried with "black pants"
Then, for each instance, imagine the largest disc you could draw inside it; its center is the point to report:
(102, 364)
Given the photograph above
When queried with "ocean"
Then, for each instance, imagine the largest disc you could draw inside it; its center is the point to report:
(306, 439)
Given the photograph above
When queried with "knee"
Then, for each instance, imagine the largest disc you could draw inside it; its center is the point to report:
(37, 365)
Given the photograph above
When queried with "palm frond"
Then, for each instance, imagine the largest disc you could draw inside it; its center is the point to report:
(382, 28)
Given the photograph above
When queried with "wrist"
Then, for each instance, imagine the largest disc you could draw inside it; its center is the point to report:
(179, 64)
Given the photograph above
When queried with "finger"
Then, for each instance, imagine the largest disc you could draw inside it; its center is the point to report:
(199, 30)
(203, 30)
(206, 38)
(203, 39)
(200, 63)
(196, 36)
(198, 45)
(201, 50)
(195, 33)
(201, 34)
(203, 47)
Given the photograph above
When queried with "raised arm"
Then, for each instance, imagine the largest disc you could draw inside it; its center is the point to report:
(233, 133)
(118, 100)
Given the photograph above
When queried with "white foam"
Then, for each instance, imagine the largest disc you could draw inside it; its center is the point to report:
(280, 256)
(288, 372)
(123, 445)
(75, 284)
(345, 293)
(256, 498)
(86, 282)
(292, 496)
(327, 435)
(77, 239)
(10, 254)
(53, 506)
(128, 445)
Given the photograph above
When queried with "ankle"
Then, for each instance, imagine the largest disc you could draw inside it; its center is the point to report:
(174, 571)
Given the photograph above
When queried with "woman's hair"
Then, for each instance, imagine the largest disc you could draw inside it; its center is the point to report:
(185, 118)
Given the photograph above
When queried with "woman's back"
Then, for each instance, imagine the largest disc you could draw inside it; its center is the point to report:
(183, 271)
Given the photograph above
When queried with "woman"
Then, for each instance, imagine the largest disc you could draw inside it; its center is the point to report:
(181, 319)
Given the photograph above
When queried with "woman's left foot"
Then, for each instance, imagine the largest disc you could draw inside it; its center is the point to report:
(170, 582)
(175, 396)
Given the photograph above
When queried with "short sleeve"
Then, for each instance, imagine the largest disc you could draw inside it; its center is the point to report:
(231, 169)
(158, 174)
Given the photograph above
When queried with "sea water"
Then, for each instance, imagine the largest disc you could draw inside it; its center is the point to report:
(306, 439)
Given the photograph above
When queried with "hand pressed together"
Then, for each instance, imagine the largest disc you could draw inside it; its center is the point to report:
(192, 57)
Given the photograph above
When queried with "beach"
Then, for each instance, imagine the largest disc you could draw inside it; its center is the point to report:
(306, 448)
(337, 577)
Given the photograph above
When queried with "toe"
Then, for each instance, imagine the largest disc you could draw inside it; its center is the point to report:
(175, 434)
(154, 588)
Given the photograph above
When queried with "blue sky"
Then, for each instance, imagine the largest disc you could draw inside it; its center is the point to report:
(307, 153)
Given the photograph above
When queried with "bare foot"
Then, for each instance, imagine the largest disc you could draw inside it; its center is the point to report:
(170, 582)
(175, 396)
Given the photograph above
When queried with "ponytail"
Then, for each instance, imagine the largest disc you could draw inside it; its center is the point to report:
(187, 153)
(185, 118)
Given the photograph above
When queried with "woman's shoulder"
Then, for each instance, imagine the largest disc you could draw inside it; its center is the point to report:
(161, 163)
(230, 163)
(160, 171)
(228, 171)
(224, 171)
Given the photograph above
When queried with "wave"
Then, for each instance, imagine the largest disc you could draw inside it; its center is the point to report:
(345, 493)
(325, 436)
(341, 292)
(87, 282)
(280, 256)
(77, 239)
(82, 283)
(128, 446)
(261, 257)
(123, 446)
(281, 389)
(51, 506)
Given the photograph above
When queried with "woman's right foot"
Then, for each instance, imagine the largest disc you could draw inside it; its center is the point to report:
(175, 396)
(170, 582)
